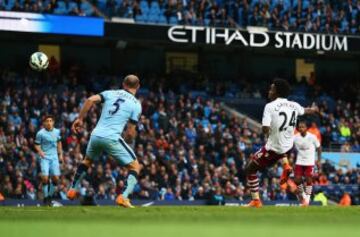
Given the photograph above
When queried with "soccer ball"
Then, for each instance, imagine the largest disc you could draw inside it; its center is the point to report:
(39, 61)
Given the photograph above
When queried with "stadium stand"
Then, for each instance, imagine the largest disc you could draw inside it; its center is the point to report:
(327, 16)
(189, 148)
(79, 8)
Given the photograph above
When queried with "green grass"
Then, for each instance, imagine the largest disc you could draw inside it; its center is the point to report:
(179, 221)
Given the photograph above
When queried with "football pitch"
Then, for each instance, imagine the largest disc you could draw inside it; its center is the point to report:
(179, 221)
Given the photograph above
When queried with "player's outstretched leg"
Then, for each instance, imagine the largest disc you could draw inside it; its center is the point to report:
(123, 199)
(287, 170)
(79, 175)
(253, 184)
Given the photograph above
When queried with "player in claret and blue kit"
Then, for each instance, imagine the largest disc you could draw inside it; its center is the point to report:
(120, 109)
(307, 146)
(278, 125)
(49, 148)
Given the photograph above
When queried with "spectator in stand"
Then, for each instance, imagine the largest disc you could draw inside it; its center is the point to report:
(315, 130)
(345, 200)
(345, 131)
(346, 147)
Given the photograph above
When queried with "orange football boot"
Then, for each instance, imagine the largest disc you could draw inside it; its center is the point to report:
(72, 194)
(285, 174)
(124, 202)
(255, 203)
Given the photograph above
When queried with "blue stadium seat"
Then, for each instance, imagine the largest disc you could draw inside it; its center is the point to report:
(287, 5)
(173, 20)
(144, 4)
(213, 126)
(294, 4)
(292, 20)
(273, 4)
(240, 16)
(145, 10)
(206, 21)
(101, 4)
(87, 8)
(154, 11)
(282, 13)
(306, 4)
(314, 15)
(154, 4)
(354, 13)
(118, 2)
(72, 5)
(344, 24)
(153, 18)
(61, 8)
(9, 5)
(140, 18)
(162, 19)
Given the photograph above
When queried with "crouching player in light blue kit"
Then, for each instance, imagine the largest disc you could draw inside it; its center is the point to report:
(120, 108)
(49, 148)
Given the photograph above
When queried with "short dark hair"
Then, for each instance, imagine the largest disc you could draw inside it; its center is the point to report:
(46, 116)
(282, 87)
(302, 121)
(131, 81)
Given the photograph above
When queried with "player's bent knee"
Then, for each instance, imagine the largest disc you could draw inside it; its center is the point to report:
(298, 180)
(45, 179)
(134, 166)
(55, 179)
(251, 168)
(87, 161)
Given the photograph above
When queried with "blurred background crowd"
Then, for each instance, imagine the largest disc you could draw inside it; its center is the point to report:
(327, 16)
(189, 147)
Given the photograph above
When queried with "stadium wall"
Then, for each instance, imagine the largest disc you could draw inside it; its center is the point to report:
(221, 52)
(217, 63)
(251, 37)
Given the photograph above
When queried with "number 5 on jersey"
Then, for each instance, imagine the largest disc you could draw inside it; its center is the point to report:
(116, 106)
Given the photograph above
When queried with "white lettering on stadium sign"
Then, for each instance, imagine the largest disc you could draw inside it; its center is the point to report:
(256, 38)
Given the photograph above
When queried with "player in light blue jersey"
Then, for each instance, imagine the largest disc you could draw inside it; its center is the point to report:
(120, 108)
(49, 148)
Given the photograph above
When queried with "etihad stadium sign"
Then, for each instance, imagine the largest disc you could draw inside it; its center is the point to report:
(257, 38)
